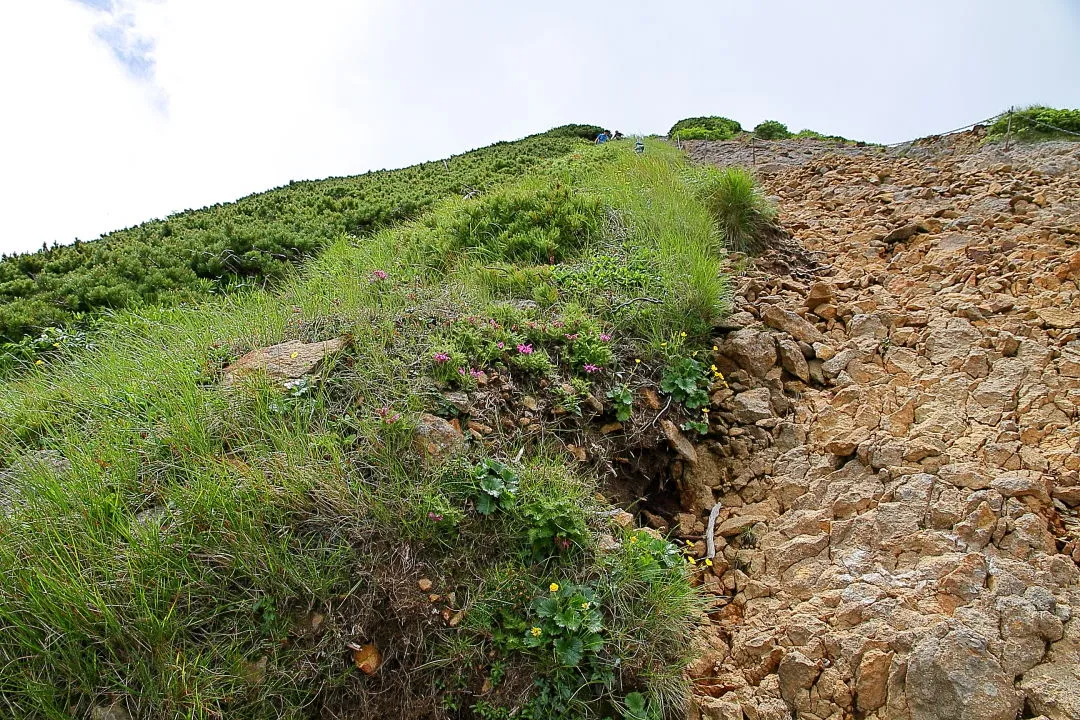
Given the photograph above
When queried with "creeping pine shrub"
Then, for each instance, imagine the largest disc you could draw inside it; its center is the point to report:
(742, 212)
(772, 130)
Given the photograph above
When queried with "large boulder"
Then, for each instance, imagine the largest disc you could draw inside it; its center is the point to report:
(1053, 687)
(955, 677)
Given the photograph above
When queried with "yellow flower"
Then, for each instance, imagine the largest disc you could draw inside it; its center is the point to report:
(705, 410)
(715, 348)
(708, 562)
(690, 560)
(682, 334)
(585, 606)
(637, 361)
(553, 587)
(713, 368)
(536, 632)
(39, 362)
(633, 538)
(663, 344)
(294, 355)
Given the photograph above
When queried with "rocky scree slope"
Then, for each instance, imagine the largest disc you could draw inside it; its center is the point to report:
(898, 452)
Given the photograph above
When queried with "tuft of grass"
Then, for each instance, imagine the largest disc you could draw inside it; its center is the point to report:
(742, 211)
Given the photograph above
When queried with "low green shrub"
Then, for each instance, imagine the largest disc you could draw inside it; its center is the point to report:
(772, 130)
(1038, 122)
(714, 126)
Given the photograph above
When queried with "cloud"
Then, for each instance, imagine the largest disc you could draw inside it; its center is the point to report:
(117, 111)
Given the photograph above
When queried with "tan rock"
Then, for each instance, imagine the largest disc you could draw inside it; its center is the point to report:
(436, 439)
(792, 324)
(286, 361)
(871, 680)
(678, 441)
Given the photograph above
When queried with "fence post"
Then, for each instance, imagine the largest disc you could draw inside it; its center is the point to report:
(753, 151)
(1008, 131)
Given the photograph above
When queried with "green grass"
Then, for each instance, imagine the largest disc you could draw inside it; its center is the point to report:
(195, 530)
(742, 212)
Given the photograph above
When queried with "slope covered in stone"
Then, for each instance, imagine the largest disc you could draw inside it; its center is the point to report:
(898, 452)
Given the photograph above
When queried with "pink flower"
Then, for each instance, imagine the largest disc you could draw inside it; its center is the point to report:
(590, 368)
(387, 416)
(604, 337)
(461, 371)
(500, 345)
(477, 374)
(525, 349)
(569, 336)
(441, 357)
(378, 275)
(434, 516)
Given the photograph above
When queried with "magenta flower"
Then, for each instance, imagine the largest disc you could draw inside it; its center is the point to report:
(378, 275)
(441, 357)
(500, 345)
(604, 337)
(461, 371)
(590, 368)
(477, 374)
(525, 348)
(434, 516)
(387, 415)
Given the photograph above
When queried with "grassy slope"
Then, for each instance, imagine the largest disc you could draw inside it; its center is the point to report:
(247, 242)
(175, 566)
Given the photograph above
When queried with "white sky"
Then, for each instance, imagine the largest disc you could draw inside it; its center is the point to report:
(117, 111)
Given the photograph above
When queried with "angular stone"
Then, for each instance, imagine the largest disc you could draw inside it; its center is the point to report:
(792, 324)
(436, 439)
(1059, 318)
(956, 677)
(871, 680)
(820, 293)
(738, 524)
(678, 441)
(1053, 687)
(752, 350)
(752, 405)
(792, 359)
(286, 361)
(797, 674)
